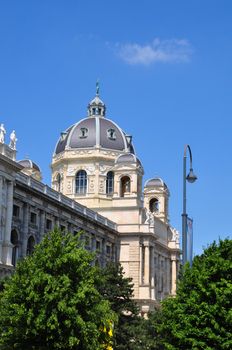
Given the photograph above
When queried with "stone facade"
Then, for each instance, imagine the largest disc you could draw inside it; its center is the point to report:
(96, 187)
(94, 163)
(29, 209)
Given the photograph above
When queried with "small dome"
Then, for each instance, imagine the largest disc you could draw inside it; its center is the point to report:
(127, 158)
(155, 182)
(31, 169)
(27, 163)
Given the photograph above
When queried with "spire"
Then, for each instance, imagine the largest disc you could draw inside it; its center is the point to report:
(97, 87)
(96, 107)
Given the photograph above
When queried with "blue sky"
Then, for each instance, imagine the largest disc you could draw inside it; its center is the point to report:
(165, 73)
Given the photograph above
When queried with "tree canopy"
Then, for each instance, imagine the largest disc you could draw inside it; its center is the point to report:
(118, 290)
(130, 330)
(200, 316)
(51, 301)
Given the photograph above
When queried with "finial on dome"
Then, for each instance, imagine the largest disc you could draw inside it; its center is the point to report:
(97, 87)
(96, 107)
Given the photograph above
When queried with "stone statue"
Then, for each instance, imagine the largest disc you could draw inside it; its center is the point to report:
(2, 133)
(13, 140)
(175, 235)
(149, 218)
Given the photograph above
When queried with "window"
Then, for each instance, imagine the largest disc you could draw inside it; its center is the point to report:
(33, 218)
(15, 242)
(48, 224)
(30, 245)
(84, 133)
(81, 182)
(98, 245)
(62, 228)
(154, 205)
(16, 211)
(111, 134)
(108, 250)
(63, 135)
(58, 180)
(125, 185)
(110, 182)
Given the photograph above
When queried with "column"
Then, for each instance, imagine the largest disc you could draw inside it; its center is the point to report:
(7, 246)
(1, 226)
(152, 274)
(141, 263)
(25, 228)
(147, 265)
(103, 252)
(57, 222)
(9, 211)
(168, 276)
(42, 222)
(173, 259)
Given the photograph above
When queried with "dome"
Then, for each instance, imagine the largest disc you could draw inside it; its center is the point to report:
(127, 158)
(95, 131)
(155, 182)
(31, 169)
(27, 163)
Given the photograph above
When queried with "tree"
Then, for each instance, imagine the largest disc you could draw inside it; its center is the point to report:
(118, 290)
(51, 301)
(200, 316)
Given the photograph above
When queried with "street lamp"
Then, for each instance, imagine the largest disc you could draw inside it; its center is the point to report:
(191, 177)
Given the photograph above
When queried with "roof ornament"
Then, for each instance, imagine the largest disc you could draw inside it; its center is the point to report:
(2, 133)
(97, 87)
(13, 140)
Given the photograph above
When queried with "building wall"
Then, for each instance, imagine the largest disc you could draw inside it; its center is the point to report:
(30, 209)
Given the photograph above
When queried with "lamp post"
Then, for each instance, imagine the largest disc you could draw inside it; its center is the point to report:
(191, 177)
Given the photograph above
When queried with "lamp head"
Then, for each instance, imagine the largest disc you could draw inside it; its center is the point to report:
(191, 177)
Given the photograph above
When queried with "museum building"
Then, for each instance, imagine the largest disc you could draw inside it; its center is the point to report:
(97, 188)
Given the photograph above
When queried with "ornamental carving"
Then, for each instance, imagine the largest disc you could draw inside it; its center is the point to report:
(71, 171)
(101, 186)
(91, 185)
(69, 187)
(90, 169)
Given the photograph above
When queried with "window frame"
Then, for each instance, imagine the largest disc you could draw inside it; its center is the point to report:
(110, 183)
(84, 133)
(81, 182)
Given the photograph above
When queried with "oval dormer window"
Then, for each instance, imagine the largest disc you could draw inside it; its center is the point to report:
(83, 133)
(111, 134)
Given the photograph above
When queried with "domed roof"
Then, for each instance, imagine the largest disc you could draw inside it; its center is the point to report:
(155, 182)
(29, 164)
(127, 158)
(95, 131)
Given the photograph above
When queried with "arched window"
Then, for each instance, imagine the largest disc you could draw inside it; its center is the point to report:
(154, 205)
(110, 182)
(58, 180)
(30, 245)
(125, 185)
(81, 182)
(15, 241)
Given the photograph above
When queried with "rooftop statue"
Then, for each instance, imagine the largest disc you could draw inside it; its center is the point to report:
(2, 133)
(13, 140)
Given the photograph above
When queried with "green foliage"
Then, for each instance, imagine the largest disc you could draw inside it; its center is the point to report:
(200, 316)
(51, 301)
(118, 290)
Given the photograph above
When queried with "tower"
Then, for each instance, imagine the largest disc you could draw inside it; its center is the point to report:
(95, 164)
